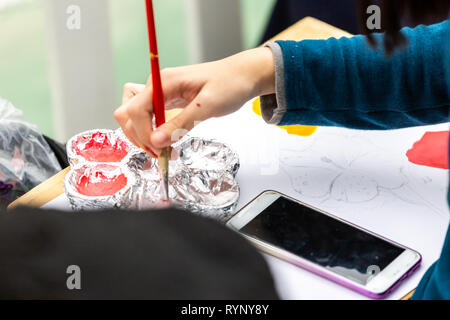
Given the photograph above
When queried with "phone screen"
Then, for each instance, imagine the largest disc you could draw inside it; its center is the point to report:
(314, 236)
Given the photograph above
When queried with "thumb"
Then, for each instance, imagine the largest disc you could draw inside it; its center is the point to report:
(175, 129)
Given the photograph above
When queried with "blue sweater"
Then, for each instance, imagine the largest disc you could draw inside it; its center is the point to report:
(345, 83)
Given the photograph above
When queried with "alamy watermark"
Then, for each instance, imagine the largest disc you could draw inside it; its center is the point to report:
(373, 21)
(372, 271)
(73, 281)
(74, 17)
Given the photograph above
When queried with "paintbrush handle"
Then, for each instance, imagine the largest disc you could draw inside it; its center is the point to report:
(158, 98)
(158, 95)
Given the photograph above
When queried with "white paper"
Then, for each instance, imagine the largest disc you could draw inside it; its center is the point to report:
(361, 176)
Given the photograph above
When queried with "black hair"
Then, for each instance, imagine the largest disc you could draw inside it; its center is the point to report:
(396, 13)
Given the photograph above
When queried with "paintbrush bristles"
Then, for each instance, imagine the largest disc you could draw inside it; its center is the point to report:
(163, 162)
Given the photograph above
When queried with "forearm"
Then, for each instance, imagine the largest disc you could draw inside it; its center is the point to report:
(345, 83)
(257, 66)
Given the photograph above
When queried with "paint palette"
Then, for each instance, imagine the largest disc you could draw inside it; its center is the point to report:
(97, 146)
(99, 177)
(108, 171)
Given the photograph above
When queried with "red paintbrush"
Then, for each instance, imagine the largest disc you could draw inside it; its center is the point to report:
(158, 98)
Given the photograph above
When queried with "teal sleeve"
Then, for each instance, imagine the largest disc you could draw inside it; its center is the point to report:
(344, 82)
(435, 285)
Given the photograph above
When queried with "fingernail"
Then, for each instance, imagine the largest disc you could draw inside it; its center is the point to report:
(160, 138)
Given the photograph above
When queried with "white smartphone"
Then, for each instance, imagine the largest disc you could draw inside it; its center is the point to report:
(324, 244)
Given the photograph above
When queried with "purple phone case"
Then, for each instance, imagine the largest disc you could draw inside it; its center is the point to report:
(350, 285)
(347, 283)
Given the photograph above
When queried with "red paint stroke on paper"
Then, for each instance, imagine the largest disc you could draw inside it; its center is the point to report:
(99, 148)
(97, 184)
(431, 150)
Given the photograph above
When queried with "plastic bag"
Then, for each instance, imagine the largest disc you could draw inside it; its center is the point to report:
(26, 159)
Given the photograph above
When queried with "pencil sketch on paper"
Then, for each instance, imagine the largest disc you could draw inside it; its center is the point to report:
(347, 167)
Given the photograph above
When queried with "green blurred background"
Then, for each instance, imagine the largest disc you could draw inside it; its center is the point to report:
(24, 72)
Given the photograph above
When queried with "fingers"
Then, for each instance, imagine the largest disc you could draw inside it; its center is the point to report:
(130, 133)
(127, 127)
(121, 116)
(136, 113)
(142, 125)
(130, 90)
(176, 128)
(135, 119)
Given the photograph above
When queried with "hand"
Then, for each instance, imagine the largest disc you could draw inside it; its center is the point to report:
(203, 91)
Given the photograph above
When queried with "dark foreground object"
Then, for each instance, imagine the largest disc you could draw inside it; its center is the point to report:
(165, 254)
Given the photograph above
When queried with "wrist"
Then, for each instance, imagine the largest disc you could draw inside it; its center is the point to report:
(263, 71)
(256, 68)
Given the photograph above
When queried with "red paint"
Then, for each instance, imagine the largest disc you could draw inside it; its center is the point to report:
(98, 148)
(431, 150)
(95, 183)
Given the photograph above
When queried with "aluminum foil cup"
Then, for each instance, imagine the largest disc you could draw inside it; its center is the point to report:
(83, 179)
(210, 193)
(81, 148)
(202, 179)
(211, 155)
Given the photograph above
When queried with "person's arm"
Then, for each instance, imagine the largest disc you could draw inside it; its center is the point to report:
(344, 82)
(203, 91)
(329, 83)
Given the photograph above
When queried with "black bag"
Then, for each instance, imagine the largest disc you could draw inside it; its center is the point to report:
(164, 254)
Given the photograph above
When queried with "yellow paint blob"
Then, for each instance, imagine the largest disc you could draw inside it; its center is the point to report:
(303, 131)
(257, 107)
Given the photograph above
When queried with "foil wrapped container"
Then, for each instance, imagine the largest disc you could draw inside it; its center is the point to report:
(202, 178)
(88, 175)
(211, 155)
(78, 147)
